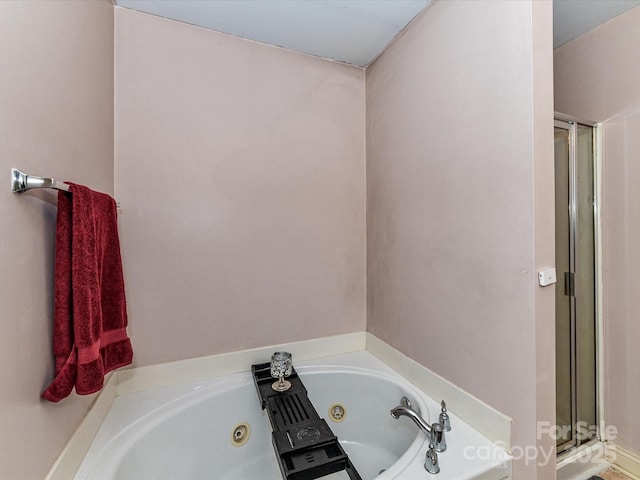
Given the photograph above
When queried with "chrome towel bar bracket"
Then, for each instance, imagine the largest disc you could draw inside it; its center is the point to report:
(21, 182)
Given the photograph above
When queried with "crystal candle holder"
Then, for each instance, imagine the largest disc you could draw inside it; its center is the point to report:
(281, 367)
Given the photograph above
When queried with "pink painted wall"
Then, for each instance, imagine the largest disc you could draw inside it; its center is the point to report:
(56, 119)
(544, 218)
(597, 77)
(459, 153)
(241, 170)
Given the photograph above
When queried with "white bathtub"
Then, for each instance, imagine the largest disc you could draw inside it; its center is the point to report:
(185, 432)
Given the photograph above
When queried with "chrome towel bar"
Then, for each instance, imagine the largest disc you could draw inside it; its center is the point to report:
(21, 182)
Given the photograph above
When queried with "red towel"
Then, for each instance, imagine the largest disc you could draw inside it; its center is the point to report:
(89, 314)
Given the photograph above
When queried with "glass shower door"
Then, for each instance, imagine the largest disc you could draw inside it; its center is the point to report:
(585, 283)
(576, 412)
(565, 413)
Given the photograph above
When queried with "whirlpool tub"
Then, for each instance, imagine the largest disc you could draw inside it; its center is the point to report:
(216, 429)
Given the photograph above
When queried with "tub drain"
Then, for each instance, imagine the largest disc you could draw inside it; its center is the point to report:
(240, 434)
(337, 412)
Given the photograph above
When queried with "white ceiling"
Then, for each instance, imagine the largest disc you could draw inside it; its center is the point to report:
(351, 31)
(572, 18)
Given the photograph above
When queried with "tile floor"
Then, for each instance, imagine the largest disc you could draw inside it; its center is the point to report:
(611, 474)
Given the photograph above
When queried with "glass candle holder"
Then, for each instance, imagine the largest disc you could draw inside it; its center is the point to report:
(281, 367)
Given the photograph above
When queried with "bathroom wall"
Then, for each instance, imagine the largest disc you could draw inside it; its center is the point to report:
(597, 77)
(460, 206)
(56, 119)
(241, 172)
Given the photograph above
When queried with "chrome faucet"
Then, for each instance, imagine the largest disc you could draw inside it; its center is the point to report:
(434, 432)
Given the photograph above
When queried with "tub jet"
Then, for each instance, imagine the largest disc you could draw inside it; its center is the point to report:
(240, 434)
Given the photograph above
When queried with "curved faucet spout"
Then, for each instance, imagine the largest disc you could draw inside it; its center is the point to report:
(401, 410)
(433, 432)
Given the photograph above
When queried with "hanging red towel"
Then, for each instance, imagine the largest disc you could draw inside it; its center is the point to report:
(89, 314)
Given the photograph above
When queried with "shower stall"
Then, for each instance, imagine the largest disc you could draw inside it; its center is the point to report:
(576, 290)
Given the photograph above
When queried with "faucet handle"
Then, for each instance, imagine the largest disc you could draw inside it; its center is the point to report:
(431, 464)
(444, 418)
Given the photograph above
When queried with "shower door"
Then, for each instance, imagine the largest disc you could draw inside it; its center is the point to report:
(576, 288)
